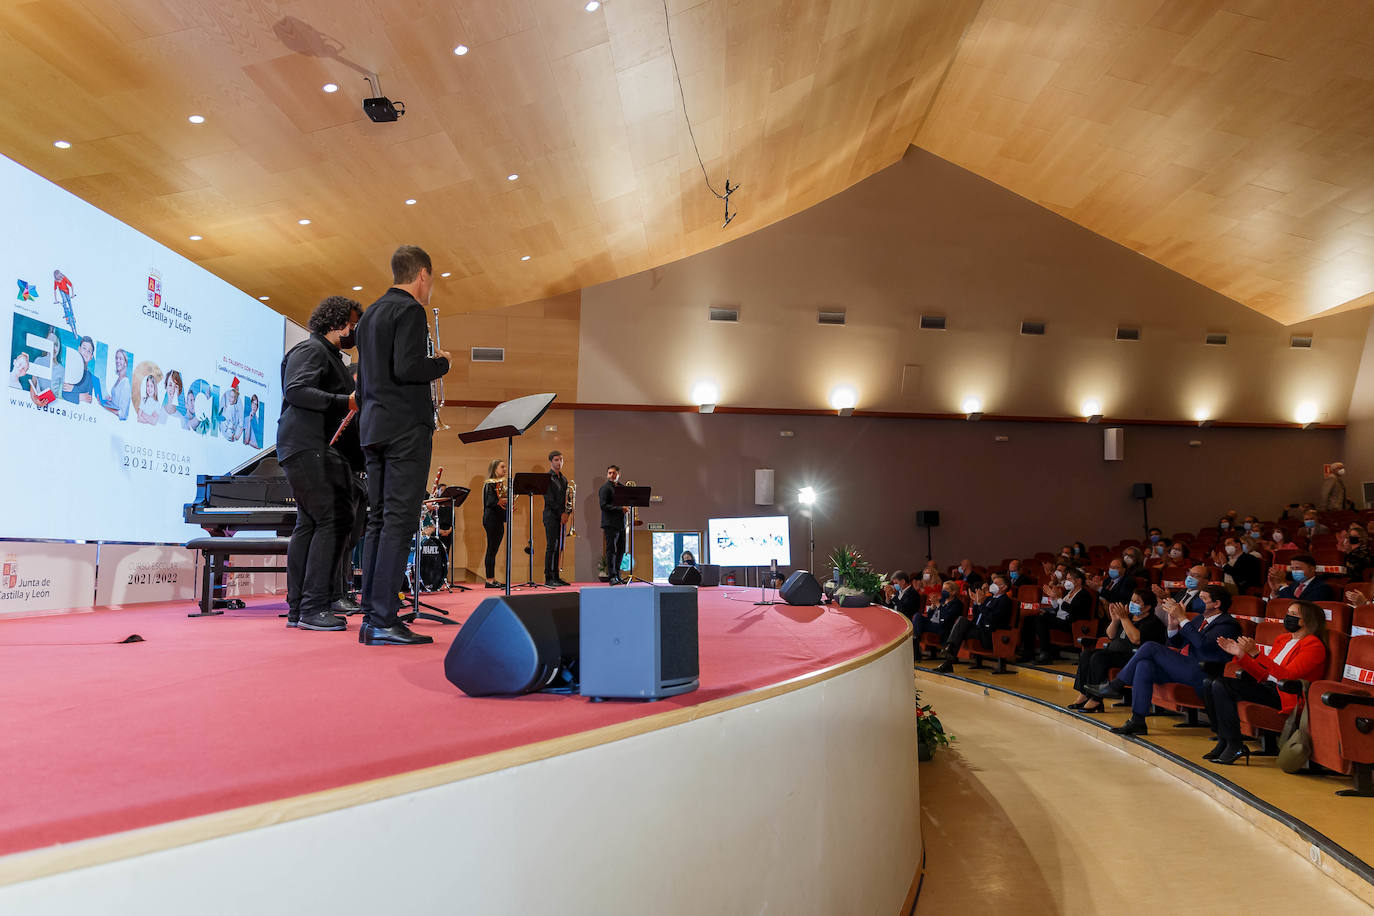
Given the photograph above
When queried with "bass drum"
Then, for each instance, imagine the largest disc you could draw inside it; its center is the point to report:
(433, 565)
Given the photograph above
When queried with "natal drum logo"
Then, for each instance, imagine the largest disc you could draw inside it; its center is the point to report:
(154, 288)
(9, 573)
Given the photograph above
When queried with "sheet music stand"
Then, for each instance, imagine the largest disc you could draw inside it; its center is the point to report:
(638, 498)
(531, 485)
(506, 421)
(455, 497)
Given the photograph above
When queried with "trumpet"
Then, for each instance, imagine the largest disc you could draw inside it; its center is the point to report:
(436, 387)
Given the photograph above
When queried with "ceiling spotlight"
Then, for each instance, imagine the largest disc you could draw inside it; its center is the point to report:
(196, 119)
(705, 395)
(195, 238)
(973, 409)
(356, 288)
(1092, 411)
(446, 274)
(410, 202)
(512, 176)
(303, 222)
(460, 50)
(844, 398)
(524, 257)
(592, 6)
(263, 298)
(330, 87)
(807, 496)
(1306, 414)
(62, 144)
(1202, 417)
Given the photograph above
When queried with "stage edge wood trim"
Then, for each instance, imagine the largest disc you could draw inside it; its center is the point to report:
(918, 880)
(27, 866)
(1287, 829)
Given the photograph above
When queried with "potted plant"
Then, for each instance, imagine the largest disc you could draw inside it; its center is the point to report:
(930, 733)
(858, 585)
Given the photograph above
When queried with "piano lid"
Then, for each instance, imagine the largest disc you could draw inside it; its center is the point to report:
(263, 464)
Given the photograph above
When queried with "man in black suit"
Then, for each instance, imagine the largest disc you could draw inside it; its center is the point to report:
(1238, 568)
(905, 600)
(555, 516)
(612, 525)
(317, 393)
(1116, 587)
(1306, 584)
(992, 609)
(396, 426)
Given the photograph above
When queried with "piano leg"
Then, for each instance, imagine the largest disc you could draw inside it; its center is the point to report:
(210, 577)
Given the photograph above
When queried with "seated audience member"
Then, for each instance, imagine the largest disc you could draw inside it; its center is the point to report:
(991, 611)
(1160, 664)
(1238, 567)
(1306, 584)
(1253, 546)
(1299, 654)
(687, 559)
(1156, 535)
(1190, 596)
(1178, 552)
(1224, 526)
(1054, 572)
(929, 586)
(1279, 540)
(1069, 601)
(966, 574)
(900, 596)
(1065, 554)
(1132, 626)
(1016, 578)
(1133, 561)
(1078, 553)
(1116, 586)
(1354, 543)
(939, 615)
(1156, 557)
(1311, 527)
(1250, 526)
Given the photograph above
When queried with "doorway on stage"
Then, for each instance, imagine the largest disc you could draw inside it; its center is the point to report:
(669, 546)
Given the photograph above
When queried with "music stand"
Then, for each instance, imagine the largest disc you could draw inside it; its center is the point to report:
(636, 497)
(455, 497)
(506, 421)
(531, 485)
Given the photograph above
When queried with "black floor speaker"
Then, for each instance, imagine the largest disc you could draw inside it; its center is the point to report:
(685, 575)
(710, 574)
(516, 644)
(801, 588)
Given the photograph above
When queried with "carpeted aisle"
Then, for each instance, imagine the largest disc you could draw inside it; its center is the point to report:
(217, 713)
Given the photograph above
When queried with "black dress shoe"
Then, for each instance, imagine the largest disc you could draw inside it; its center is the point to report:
(551, 583)
(945, 667)
(496, 585)
(1133, 726)
(293, 620)
(398, 634)
(1045, 658)
(345, 605)
(1232, 754)
(560, 583)
(322, 621)
(1108, 691)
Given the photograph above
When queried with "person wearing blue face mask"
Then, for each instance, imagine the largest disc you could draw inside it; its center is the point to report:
(1306, 584)
(1133, 625)
(1156, 535)
(1190, 596)
(1117, 586)
(1017, 577)
(1312, 527)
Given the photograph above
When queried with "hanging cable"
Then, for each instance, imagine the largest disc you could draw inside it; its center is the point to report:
(691, 133)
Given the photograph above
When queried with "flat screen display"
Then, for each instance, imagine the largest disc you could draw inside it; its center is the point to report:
(753, 541)
(131, 370)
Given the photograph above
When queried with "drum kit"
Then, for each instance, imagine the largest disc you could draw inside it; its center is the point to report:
(433, 558)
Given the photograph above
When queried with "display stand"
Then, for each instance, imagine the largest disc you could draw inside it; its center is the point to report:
(531, 485)
(634, 498)
(506, 421)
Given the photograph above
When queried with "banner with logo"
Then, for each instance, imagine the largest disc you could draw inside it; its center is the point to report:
(139, 574)
(42, 578)
(131, 370)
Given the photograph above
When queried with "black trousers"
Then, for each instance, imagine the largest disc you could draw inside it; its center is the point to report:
(358, 496)
(553, 529)
(396, 472)
(615, 550)
(963, 629)
(496, 532)
(1035, 631)
(1094, 664)
(320, 482)
(1221, 696)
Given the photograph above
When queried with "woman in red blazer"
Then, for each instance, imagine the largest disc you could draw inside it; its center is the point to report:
(1299, 654)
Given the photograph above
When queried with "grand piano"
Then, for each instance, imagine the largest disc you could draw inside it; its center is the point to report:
(252, 497)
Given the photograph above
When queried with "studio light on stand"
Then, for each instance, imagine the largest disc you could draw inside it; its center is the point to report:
(806, 497)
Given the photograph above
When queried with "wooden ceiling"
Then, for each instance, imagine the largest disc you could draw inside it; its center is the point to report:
(1230, 141)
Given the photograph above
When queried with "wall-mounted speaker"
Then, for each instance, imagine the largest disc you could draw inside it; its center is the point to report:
(515, 644)
(639, 642)
(763, 487)
(1142, 491)
(928, 518)
(1114, 444)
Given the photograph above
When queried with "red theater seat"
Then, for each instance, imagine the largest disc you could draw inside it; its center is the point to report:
(1337, 615)
(1362, 621)
(1266, 722)
(1341, 722)
(1247, 607)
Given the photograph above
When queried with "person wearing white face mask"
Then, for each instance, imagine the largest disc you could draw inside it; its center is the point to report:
(1068, 602)
(1333, 488)
(991, 612)
(1239, 569)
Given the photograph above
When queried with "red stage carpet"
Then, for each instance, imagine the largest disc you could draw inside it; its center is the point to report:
(217, 713)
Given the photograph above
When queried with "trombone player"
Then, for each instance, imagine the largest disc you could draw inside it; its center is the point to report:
(557, 512)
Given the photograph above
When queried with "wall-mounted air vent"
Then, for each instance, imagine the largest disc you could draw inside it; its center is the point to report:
(724, 313)
(1300, 343)
(830, 316)
(1215, 340)
(1128, 333)
(1033, 328)
(932, 322)
(488, 354)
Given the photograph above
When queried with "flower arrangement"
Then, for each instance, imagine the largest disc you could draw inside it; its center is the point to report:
(930, 733)
(857, 578)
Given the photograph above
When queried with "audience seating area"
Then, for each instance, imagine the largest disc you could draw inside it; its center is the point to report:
(1340, 706)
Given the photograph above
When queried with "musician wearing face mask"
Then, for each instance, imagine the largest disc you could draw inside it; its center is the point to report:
(1132, 625)
(1238, 568)
(317, 392)
(1069, 601)
(991, 612)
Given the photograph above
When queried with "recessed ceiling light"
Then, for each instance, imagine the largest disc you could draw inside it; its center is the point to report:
(303, 222)
(62, 144)
(356, 288)
(460, 50)
(592, 6)
(196, 119)
(330, 87)
(524, 257)
(195, 238)
(263, 298)
(410, 202)
(446, 274)
(512, 176)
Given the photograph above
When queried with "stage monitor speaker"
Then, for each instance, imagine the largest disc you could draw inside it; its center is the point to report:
(710, 574)
(1114, 444)
(1142, 491)
(639, 642)
(684, 575)
(928, 518)
(801, 588)
(516, 644)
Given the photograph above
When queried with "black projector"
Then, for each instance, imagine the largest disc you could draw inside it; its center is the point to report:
(382, 109)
